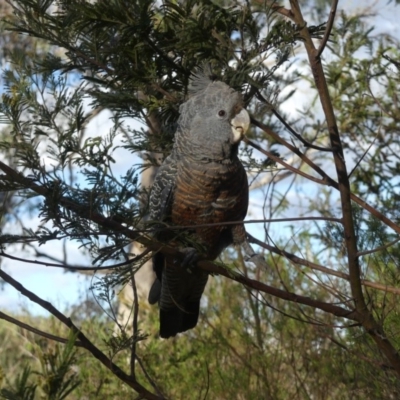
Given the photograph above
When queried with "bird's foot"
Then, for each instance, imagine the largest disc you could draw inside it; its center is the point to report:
(190, 259)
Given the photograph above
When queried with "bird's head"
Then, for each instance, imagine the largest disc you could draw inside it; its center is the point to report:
(213, 121)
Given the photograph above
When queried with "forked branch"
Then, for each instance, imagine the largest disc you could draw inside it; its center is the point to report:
(368, 321)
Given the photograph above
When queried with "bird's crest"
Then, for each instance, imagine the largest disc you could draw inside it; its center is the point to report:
(201, 78)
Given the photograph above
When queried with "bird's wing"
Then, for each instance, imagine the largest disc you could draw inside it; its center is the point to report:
(162, 191)
(160, 209)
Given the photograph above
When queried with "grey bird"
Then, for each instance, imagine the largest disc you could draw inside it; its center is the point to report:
(201, 182)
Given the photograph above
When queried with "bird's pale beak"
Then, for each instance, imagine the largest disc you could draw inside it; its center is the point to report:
(240, 124)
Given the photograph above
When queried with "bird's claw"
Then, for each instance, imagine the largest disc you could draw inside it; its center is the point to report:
(190, 258)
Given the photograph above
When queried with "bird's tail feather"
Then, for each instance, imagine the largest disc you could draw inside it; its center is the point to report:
(175, 320)
(155, 292)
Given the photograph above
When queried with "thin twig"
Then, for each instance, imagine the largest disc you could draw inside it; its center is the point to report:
(32, 329)
(298, 136)
(301, 261)
(275, 158)
(358, 355)
(328, 29)
(249, 221)
(326, 179)
(134, 323)
(365, 152)
(384, 247)
(148, 377)
(305, 142)
(73, 267)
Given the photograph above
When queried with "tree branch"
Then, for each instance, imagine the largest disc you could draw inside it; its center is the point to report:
(301, 261)
(328, 29)
(85, 342)
(75, 267)
(32, 329)
(282, 294)
(275, 158)
(290, 129)
(368, 321)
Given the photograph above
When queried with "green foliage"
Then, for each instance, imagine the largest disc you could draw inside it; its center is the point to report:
(58, 381)
(55, 379)
(36, 368)
(119, 55)
(21, 388)
(223, 358)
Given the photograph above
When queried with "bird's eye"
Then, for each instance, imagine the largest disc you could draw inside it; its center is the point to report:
(221, 113)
